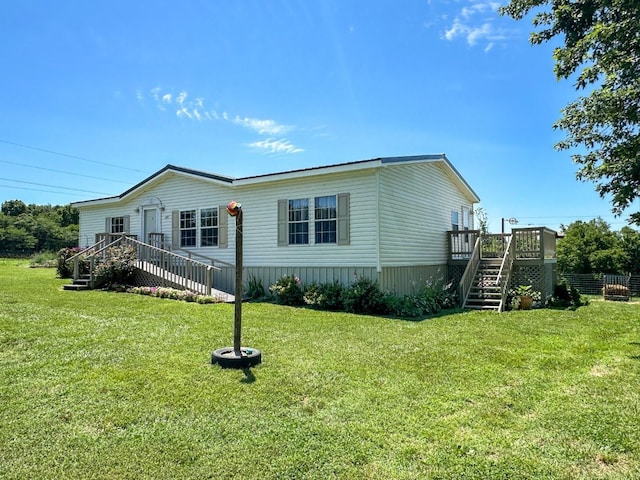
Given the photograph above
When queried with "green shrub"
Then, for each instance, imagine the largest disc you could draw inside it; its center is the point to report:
(254, 289)
(64, 269)
(567, 296)
(43, 259)
(364, 296)
(118, 267)
(288, 290)
(326, 296)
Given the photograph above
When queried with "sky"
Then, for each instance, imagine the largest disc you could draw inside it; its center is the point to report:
(96, 96)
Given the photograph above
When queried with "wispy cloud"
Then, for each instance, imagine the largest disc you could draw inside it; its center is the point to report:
(276, 146)
(268, 127)
(197, 111)
(478, 23)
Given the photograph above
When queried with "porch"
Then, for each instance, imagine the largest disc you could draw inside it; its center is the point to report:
(526, 256)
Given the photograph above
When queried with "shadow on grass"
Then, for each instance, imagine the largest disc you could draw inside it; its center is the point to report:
(249, 377)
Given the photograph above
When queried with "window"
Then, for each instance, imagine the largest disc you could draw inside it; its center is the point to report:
(299, 221)
(188, 228)
(117, 225)
(455, 220)
(209, 227)
(331, 223)
(325, 219)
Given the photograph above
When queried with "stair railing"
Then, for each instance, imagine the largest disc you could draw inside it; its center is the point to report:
(504, 274)
(464, 286)
(171, 268)
(175, 269)
(191, 253)
(84, 253)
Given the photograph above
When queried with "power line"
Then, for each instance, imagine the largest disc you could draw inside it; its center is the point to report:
(55, 186)
(38, 149)
(62, 171)
(36, 190)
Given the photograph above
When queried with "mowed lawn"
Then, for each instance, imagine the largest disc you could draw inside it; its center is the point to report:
(119, 386)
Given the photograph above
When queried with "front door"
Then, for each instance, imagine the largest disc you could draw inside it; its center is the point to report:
(150, 223)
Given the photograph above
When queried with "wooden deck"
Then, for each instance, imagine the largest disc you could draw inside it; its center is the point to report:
(535, 244)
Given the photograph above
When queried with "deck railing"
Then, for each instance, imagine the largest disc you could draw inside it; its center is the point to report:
(169, 267)
(533, 243)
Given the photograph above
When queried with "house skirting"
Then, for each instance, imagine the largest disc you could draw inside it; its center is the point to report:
(399, 280)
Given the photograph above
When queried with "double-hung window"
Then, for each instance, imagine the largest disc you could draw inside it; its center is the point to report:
(314, 221)
(299, 221)
(209, 227)
(117, 225)
(455, 220)
(325, 219)
(188, 231)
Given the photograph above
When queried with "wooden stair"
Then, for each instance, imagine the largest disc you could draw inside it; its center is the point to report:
(485, 292)
(81, 283)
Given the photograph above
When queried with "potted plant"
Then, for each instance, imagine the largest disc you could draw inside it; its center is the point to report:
(524, 296)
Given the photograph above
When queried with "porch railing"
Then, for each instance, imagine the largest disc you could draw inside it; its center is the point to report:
(532, 243)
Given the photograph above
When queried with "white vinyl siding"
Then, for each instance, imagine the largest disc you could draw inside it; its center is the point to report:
(416, 202)
(413, 212)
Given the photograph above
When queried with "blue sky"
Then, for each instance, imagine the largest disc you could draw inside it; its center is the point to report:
(95, 96)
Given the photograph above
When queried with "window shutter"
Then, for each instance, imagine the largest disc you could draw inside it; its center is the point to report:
(283, 223)
(126, 223)
(107, 225)
(344, 237)
(175, 229)
(223, 227)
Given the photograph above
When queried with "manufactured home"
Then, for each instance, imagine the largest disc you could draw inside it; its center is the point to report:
(388, 219)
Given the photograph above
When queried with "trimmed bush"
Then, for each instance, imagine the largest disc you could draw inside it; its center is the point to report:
(119, 266)
(288, 290)
(326, 296)
(65, 269)
(364, 296)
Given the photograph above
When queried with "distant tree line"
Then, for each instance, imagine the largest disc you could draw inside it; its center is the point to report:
(25, 229)
(592, 247)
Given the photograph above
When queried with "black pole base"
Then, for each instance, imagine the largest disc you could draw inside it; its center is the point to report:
(226, 357)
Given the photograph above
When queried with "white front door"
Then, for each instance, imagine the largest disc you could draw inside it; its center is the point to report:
(150, 223)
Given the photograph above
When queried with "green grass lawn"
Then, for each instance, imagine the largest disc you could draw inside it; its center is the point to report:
(114, 385)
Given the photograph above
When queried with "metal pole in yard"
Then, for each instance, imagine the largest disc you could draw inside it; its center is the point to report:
(237, 324)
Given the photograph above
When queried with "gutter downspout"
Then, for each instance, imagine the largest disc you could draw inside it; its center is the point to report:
(378, 248)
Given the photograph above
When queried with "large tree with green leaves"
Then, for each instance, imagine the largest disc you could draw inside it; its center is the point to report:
(601, 50)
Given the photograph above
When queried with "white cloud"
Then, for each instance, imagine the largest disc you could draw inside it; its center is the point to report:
(276, 146)
(183, 112)
(477, 23)
(182, 96)
(268, 127)
(196, 110)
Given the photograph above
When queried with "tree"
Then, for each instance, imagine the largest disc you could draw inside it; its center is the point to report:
(590, 247)
(601, 46)
(13, 208)
(630, 243)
